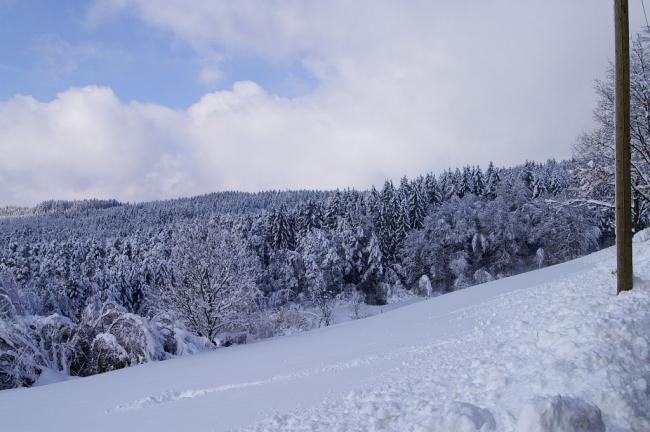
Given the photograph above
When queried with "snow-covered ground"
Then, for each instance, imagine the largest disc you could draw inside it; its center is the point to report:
(550, 350)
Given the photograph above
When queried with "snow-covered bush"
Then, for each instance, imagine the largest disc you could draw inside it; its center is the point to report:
(539, 257)
(127, 339)
(482, 276)
(459, 266)
(397, 294)
(7, 308)
(18, 367)
(51, 338)
(175, 338)
(106, 338)
(14, 298)
(424, 286)
(106, 354)
(135, 336)
(30, 344)
(280, 298)
(356, 299)
(560, 414)
(288, 319)
(323, 299)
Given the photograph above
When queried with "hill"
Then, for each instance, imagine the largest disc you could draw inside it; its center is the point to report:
(495, 356)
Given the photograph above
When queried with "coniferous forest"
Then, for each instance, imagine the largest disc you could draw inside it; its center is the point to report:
(96, 285)
(91, 286)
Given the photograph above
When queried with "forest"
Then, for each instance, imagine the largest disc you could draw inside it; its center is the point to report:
(97, 285)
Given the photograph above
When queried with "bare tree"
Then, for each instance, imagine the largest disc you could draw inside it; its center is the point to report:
(213, 286)
(595, 151)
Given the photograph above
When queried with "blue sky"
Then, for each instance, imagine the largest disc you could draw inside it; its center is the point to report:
(49, 46)
(152, 99)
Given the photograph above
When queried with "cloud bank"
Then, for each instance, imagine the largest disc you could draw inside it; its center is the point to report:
(403, 88)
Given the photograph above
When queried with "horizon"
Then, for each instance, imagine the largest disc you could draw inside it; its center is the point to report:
(264, 191)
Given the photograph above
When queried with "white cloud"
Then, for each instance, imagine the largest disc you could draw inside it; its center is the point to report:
(88, 143)
(85, 143)
(404, 87)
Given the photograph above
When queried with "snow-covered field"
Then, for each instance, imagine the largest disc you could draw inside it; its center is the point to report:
(550, 350)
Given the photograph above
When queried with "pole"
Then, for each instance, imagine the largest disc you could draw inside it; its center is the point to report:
(623, 192)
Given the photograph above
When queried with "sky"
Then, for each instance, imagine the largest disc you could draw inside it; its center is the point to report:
(151, 99)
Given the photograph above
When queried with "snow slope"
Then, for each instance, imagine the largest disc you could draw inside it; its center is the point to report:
(492, 357)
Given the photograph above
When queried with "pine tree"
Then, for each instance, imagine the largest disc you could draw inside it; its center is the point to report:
(333, 210)
(478, 182)
(433, 194)
(282, 230)
(447, 185)
(528, 177)
(492, 181)
(310, 216)
(416, 207)
(391, 221)
(351, 243)
(466, 183)
(373, 274)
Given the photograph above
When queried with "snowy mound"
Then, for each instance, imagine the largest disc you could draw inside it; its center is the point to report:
(560, 414)
(641, 236)
(493, 357)
(463, 417)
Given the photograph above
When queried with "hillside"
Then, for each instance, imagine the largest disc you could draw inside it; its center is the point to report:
(428, 366)
(92, 286)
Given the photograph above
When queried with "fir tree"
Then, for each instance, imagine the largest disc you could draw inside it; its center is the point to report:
(282, 230)
(492, 181)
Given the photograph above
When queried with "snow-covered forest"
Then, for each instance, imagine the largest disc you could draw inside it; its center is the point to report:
(92, 286)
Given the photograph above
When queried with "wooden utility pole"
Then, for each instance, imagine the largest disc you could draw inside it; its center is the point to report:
(623, 192)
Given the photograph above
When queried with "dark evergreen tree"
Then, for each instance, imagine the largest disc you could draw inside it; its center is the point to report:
(310, 216)
(466, 185)
(415, 207)
(333, 210)
(432, 190)
(492, 181)
(478, 182)
(282, 229)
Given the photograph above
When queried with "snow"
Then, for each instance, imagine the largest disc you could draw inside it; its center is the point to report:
(50, 376)
(343, 311)
(462, 417)
(550, 350)
(641, 236)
